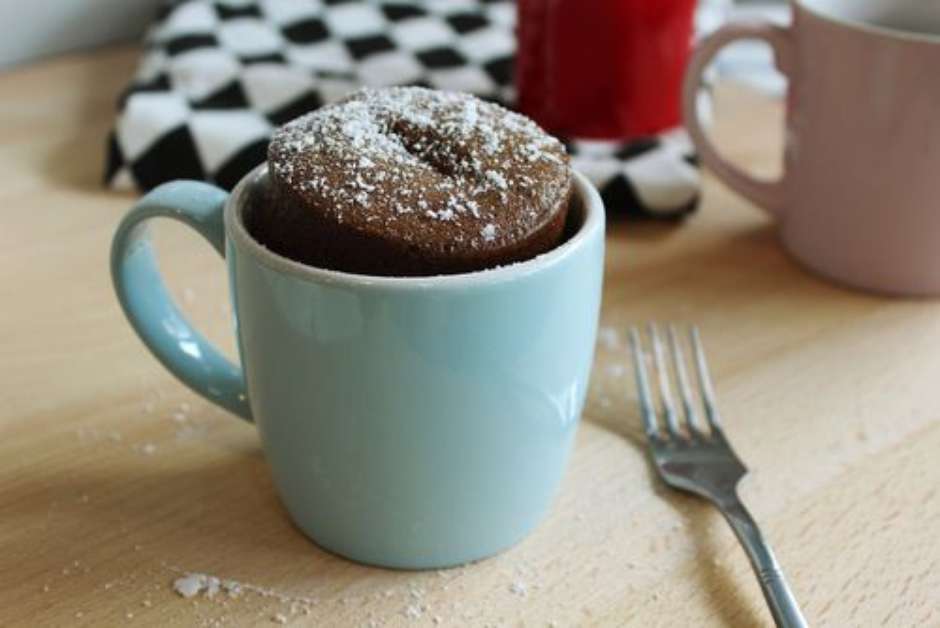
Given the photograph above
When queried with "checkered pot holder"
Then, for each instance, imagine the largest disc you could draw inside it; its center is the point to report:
(217, 77)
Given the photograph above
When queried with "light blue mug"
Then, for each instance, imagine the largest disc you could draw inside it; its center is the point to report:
(414, 422)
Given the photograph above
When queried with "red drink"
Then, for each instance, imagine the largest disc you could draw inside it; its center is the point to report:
(603, 68)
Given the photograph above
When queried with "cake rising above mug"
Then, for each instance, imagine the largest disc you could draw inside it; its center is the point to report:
(411, 181)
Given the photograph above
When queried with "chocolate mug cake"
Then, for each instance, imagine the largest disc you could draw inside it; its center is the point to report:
(407, 181)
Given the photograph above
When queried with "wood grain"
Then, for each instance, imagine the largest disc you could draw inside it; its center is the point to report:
(106, 497)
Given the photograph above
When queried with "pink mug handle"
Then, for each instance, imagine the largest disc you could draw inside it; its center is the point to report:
(766, 194)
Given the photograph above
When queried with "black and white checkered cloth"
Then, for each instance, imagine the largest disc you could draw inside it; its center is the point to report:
(218, 76)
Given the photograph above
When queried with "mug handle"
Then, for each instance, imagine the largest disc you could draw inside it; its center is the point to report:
(766, 194)
(150, 309)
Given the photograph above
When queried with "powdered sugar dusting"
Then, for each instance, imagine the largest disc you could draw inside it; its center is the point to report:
(444, 214)
(497, 179)
(409, 158)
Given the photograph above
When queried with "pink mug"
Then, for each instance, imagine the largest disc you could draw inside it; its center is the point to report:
(859, 199)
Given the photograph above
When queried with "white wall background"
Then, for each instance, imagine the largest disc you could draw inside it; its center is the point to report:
(36, 28)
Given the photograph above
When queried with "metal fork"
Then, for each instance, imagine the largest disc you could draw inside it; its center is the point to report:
(698, 458)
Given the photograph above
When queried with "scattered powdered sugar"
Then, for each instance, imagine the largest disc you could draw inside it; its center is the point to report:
(616, 370)
(189, 432)
(609, 337)
(232, 588)
(194, 584)
(147, 449)
(488, 232)
(614, 360)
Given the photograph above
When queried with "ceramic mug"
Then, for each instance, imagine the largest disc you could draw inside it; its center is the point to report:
(411, 422)
(859, 200)
(605, 69)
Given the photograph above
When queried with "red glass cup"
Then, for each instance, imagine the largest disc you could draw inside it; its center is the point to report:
(605, 69)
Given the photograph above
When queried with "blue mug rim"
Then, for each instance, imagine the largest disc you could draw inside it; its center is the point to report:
(236, 232)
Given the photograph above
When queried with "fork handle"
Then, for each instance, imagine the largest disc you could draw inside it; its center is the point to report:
(783, 606)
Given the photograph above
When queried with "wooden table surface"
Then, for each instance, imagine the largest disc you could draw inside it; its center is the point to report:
(115, 479)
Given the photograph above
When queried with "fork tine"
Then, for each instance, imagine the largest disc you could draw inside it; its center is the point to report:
(682, 382)
(665, 391)
(642, 385)
(705, 382)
